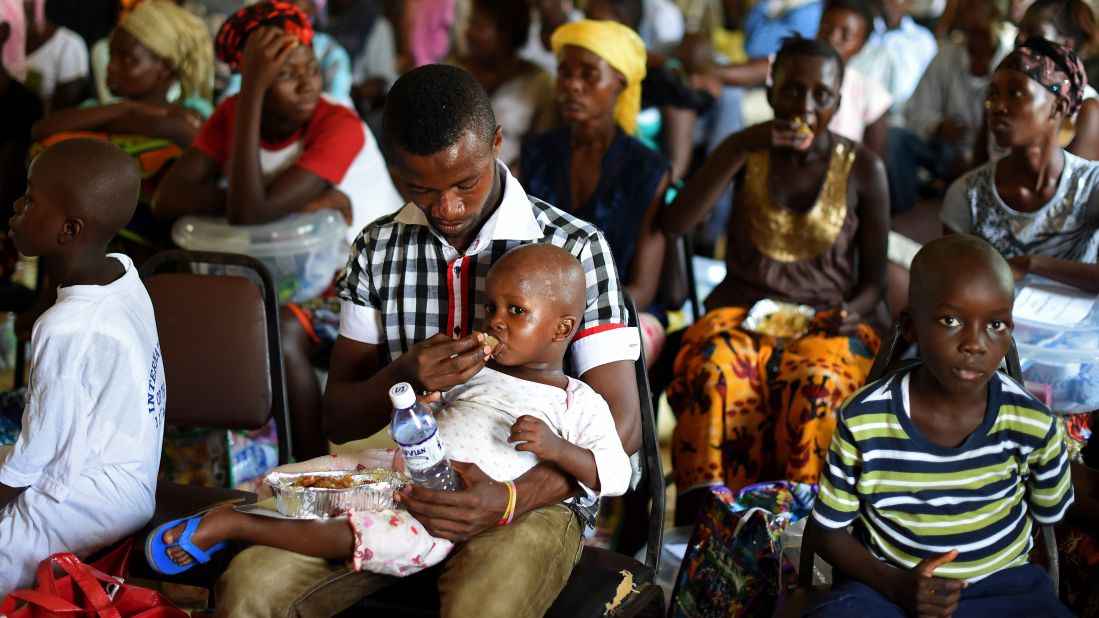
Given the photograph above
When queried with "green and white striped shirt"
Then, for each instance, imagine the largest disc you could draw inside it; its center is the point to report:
(913, 498)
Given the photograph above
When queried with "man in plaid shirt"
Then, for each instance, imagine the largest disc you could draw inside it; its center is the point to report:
(412, 295)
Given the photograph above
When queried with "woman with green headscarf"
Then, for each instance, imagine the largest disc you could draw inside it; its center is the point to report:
(593, 167)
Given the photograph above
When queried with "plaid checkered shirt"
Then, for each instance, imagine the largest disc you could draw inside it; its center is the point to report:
(404, 282)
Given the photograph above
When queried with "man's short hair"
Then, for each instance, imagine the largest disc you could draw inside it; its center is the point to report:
(431, 107)
(800, 46)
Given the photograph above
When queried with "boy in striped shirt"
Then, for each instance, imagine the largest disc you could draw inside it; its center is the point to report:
(944, 468)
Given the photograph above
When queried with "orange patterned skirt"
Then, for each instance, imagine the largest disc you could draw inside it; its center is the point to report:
(753, 408)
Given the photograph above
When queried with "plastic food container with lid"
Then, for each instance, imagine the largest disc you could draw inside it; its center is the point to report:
(1066, 358)
(303, 251)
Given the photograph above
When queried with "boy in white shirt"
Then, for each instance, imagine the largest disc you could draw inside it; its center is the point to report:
(83, 472)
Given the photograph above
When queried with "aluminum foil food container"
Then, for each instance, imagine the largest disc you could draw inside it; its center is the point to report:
(373, 491)
(779, 319)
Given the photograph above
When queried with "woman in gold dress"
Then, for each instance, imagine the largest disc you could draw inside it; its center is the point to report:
(809, 226)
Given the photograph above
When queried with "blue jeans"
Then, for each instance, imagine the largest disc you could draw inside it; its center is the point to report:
(906, 154)
(1024, 591)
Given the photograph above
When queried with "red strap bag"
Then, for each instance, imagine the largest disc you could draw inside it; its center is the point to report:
(67, 587)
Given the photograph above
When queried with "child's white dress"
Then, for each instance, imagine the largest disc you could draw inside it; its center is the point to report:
(90, 445)
(475, 421)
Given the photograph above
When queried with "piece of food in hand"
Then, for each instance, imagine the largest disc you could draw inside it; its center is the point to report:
(803, 129)
(491, 342)
(804, 133)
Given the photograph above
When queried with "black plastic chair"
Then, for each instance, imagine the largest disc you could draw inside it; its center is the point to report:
(219, 334)
(594, 582)
(677, 278)
(890, 360)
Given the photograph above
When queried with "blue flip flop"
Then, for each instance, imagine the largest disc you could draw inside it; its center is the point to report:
(156, 550)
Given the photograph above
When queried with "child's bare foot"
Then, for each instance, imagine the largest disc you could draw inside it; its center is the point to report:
(209, 532)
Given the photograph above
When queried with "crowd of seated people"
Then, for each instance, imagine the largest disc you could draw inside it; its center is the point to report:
(448, 135)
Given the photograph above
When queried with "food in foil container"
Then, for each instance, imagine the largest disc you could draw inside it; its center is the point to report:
(316, 481)
(314, 495)
(779, 319)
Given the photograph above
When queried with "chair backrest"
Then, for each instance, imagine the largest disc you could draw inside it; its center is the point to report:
(677, 277)
(652, 469)
(220, 338)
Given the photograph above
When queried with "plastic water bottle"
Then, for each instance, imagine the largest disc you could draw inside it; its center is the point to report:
(416, 432)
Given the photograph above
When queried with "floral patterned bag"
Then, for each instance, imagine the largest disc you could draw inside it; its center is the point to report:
(733, 564)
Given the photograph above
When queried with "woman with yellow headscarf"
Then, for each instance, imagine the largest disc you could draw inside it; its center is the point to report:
(594, 168)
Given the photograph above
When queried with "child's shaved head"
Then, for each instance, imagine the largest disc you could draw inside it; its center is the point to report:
(96, 182)
(944, 261)
(552, 271)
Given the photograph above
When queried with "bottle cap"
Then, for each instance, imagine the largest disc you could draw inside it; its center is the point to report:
(402, 395)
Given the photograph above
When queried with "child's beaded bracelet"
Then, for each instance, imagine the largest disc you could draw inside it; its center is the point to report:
(509, 513)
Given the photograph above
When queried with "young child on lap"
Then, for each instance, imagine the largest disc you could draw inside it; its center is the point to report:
(83, 472)
(945, 468)
(535, 299)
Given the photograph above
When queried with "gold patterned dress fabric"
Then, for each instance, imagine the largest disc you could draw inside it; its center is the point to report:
(788, 236)
(750, 407)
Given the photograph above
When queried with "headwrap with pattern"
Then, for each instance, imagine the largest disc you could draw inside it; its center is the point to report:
(229, 44)
(1057, 68)
(621, 48)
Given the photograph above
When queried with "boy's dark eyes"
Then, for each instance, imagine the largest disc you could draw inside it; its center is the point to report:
(993, 325)
(512, 309)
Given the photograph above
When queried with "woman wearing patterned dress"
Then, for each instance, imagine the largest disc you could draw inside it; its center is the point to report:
(809, 226)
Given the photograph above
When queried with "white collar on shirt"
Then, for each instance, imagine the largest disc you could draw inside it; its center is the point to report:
(513, 220)
(98, 291)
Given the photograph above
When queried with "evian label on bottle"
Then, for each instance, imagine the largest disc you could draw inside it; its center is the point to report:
(423, 455)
